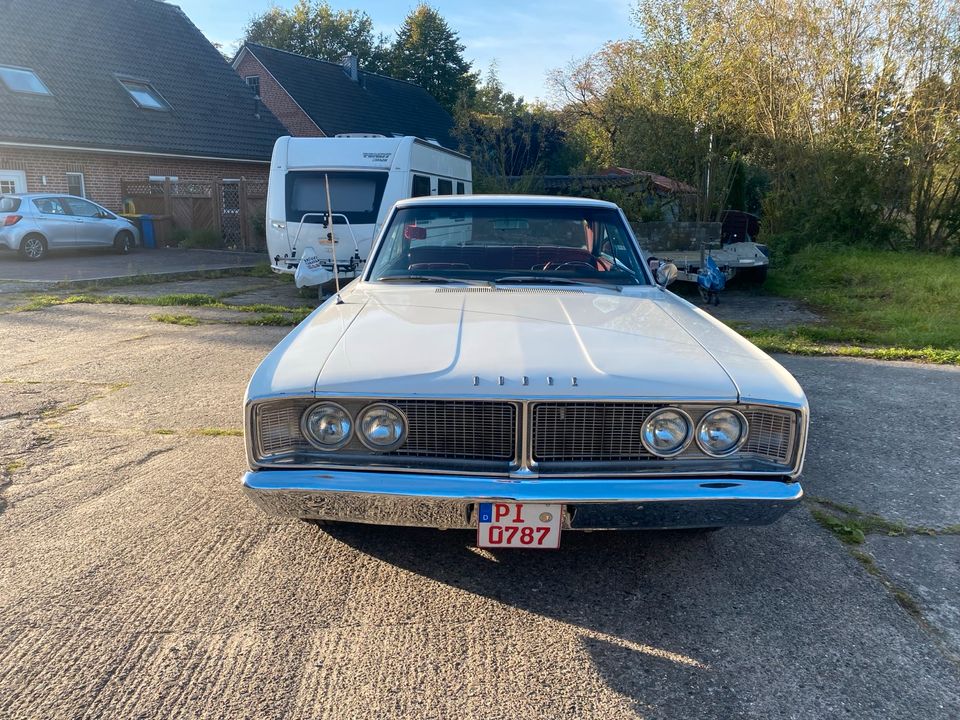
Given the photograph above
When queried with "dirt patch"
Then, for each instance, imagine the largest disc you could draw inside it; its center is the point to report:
(758, 312)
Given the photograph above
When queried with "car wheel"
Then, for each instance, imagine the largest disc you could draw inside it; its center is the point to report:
(33, 247)
(123, 243)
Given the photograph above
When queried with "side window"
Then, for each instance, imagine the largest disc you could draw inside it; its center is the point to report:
(50, 206)
(81, 208)
(444, 187)
(421, 186)
(461, 189)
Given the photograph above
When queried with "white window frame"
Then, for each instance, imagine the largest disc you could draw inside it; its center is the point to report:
(17, 177)
(45, 91)
(247, 80)
(83, 184)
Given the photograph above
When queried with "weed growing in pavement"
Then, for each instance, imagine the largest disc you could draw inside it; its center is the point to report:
(218, 432)
(278, 319)
(852, 525)
(188, 320)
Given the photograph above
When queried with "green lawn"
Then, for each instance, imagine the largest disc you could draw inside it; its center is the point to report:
(874, 298)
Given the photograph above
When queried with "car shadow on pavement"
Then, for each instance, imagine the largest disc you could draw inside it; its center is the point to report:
(746, 622)
(647, 606)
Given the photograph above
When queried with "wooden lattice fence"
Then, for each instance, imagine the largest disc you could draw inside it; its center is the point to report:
(233, 209)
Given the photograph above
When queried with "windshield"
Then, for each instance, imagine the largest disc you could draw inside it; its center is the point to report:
(562, 244)
(356, 195)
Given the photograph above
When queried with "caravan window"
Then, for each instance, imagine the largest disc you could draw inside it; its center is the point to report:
(421, 186)
(357, 195)
(444, 187)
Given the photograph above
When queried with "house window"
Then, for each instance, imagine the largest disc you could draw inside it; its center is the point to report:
(421, 186)
(75, 184)
(461, 189)
(22, 80)
(254, 82)
(7, 187)
(144, 94)
(444, 187)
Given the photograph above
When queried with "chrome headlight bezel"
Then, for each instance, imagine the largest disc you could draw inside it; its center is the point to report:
(744, 433)
(684, 444)
(305, 431)
(369, 444)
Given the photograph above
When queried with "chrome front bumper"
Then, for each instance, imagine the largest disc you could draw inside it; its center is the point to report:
(444, 501)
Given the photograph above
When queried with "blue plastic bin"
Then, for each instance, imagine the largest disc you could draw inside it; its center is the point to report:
(149, 236)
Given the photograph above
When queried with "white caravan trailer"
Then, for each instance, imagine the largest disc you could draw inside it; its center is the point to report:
(367, 175)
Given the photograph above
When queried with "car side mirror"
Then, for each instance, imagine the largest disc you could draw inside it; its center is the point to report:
(666, 274)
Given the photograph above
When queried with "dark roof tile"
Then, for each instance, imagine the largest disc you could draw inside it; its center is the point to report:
(79, 48)
(337, 104)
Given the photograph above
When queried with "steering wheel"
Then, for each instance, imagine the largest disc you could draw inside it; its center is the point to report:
(569, 264)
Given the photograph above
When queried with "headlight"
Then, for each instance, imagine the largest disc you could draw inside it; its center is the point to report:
(666, 432)
(721, 432)
(382, 427)
(327, 426)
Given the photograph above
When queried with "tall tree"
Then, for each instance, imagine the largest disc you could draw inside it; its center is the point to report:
(429, 53)
(314, 29)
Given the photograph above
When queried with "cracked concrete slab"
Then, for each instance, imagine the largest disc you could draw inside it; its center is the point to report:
(928, 568)
(885, 436)
(136, 580)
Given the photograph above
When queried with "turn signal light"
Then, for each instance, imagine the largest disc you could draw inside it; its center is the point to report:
(11, 220)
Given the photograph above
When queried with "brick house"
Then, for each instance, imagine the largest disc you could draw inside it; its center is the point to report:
(95, 93)
(315, 98)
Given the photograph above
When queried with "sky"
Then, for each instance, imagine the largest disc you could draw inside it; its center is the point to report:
(526, 38)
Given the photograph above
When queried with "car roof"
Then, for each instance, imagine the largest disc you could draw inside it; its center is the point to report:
(541, 200)
(39, 196)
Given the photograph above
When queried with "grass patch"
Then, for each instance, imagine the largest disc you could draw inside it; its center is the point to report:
(41, 302)
(894, 301)
(852, 525)
(277, 319)
(807, 341)
(261, 270)
(187, 320)
(218, 432)
(11, 468)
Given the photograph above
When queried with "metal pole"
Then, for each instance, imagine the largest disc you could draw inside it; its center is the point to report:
(333, 244)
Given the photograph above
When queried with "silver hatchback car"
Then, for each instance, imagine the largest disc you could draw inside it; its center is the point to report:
(34, 224)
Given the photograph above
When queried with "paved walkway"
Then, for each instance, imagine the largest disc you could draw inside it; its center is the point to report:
(103, 264)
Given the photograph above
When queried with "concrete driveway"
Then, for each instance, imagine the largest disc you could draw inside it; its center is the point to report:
(102, 264)
(136, 581)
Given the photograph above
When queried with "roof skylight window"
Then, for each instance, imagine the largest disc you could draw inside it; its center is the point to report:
(144, 94)
(22, 80)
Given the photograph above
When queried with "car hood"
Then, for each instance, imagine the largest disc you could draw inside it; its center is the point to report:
(528, 342)
(642, 343)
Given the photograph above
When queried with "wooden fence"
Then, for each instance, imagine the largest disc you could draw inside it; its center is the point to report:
(233, 209)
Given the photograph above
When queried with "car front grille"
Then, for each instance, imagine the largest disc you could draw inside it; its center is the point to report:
(485, 435)
(459, 429)
(585, 432)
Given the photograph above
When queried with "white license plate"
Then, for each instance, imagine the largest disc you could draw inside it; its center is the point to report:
(522, 525)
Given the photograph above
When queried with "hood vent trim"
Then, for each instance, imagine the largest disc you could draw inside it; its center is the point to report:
(535, 291)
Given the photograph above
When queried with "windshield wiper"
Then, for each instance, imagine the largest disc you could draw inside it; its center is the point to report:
(538, 280)
(430, 279)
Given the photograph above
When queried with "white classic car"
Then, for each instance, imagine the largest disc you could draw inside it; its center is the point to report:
(511, 364)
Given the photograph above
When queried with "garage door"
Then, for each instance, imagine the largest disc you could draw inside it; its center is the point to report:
(12, 181)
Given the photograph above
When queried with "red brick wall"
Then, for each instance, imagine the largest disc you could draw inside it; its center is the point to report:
(102, 172)
(277, 100)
